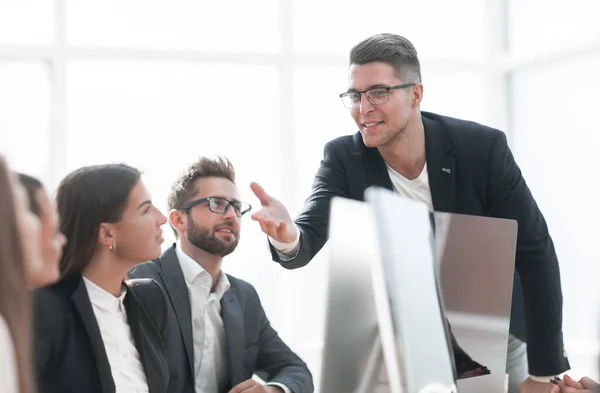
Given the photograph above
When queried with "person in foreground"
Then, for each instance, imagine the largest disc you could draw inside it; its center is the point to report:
(451, 165)
(95, 333)
(218, 335)
(19, 257)
(51, 239)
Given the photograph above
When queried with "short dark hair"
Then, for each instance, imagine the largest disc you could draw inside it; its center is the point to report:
(31, 185)
(184, 187)
(392, 49)
(86, 198)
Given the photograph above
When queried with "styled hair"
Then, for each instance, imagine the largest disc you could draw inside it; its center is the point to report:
(392, 49)
(86, 198)
(185, 186)
(15, 305)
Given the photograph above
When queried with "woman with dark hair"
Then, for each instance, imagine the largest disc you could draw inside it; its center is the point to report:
(94, 331)
(51, 239)
(18, 227)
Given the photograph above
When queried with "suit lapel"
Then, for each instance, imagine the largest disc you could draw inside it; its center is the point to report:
(440, 167)
(176, 288)
(233, 321)
(82, 303)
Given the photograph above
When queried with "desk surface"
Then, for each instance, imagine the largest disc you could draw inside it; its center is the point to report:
(491, 383)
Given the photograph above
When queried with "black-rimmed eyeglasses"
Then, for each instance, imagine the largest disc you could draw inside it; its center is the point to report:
(375, 95)
(219, 205)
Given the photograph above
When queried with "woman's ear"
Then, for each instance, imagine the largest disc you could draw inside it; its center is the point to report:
(106, 235)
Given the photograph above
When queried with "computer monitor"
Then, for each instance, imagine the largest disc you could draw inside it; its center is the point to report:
(476, 267)
(382, 311)
(383, 333)
(473, 267)
(420, 346)
(352, 357)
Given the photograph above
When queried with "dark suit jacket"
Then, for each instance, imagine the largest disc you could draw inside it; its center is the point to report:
(471, 171)
(69, 351)
(252, 344)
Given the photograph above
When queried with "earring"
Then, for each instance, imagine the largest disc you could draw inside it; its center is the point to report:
(112, 247)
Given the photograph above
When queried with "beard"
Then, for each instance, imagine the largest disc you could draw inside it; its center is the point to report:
(205, 239)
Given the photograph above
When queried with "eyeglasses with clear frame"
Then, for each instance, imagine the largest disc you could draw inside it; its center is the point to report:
(375, 95)
(219, 205)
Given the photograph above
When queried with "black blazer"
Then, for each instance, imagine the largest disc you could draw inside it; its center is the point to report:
(471, 171)
(253, 346)
(69, 351)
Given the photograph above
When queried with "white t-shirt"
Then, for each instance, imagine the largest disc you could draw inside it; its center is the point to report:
(416, 189)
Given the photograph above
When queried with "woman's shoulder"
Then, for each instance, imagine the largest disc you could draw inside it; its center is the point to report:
(153, 300)
(53, 299)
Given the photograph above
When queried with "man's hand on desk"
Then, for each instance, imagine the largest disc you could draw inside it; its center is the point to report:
(531, 386)
(252, 386)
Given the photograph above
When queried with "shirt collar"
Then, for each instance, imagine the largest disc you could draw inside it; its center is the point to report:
(103, 299)
(222, 286)
(192, 270)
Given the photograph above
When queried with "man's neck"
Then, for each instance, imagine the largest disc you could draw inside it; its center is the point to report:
(107, 273)
(209, 262)
(406, 153)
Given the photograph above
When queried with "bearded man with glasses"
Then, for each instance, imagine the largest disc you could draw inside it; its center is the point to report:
(218, 334)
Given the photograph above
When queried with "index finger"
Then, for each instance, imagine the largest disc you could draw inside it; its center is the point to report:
(260, 193)
(572, 383)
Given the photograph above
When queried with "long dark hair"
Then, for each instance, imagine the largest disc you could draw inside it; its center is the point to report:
(86, 198)
(31, 185)
(15, 306)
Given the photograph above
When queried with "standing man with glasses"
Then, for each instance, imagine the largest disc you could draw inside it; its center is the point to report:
(218, 334)
(451, 165)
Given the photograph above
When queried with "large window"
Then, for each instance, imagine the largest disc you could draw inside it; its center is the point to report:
(555, 139)
(157, 83)
(454, 30)
(175, 25)
(25, 114)
(554, 91)
(27, 22)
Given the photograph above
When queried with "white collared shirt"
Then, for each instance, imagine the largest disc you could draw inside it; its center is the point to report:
(124, 359)
(211, 366)
(211, 362)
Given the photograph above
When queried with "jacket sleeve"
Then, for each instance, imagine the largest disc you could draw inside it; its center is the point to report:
(48, 335)
(279, 362)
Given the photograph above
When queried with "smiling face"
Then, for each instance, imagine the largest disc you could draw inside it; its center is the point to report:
(217, 234)
(383, 123)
